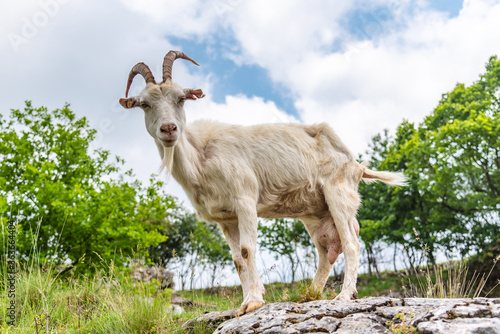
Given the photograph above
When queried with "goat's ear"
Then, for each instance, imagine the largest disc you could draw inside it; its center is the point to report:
(193, 94)
(130, 102)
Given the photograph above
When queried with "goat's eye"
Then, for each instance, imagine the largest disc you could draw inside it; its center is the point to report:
(181, 100)
(144, 105)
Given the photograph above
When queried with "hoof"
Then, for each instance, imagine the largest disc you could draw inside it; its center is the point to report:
(251, 306)
(346, 295)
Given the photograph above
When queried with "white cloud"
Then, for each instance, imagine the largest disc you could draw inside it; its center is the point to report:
(373, 84)
(239, 110)
(83, 52)
(276, 35)
(185, 18)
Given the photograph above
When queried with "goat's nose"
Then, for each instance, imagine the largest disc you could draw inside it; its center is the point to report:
(169, 128)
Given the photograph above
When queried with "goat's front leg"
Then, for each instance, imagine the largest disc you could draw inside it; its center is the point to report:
(247, 225)
(232, 234)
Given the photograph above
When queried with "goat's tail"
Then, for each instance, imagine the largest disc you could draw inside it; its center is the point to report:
(390, 178)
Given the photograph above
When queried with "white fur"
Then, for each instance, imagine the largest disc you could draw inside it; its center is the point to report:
(234, 174)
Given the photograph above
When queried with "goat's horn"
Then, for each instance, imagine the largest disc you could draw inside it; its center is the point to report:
(142, 69)
(168, 61)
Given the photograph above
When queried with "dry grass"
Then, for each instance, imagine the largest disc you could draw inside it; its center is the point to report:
(449, 280)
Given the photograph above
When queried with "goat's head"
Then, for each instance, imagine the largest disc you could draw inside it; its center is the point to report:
(163, 103)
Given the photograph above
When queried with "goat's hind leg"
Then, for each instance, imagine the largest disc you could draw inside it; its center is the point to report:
(343, 201)
(321, 235)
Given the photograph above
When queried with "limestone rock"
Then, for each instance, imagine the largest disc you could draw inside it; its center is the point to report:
(368, 315)
(461, 326)
(209, 321)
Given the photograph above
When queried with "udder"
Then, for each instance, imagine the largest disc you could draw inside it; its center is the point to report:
(328, 237)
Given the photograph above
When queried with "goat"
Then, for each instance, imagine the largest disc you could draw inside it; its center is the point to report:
(234, 174)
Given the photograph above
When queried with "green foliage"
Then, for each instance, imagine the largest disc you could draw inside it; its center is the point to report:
(178, 229)
(56, 188)
(453, 162)
(208, 240)
(404, 327)
(285, 237)
(209, 244)
(191, 244)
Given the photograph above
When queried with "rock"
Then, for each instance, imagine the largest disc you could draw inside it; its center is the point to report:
(147, 274)
(188, 303)
(209, 321)
(461, 326)
(362, 323)
(394, 294)
(179, 300)
(367, 315)
(175, 309)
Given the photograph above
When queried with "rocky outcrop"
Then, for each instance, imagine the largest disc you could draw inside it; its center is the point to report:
(368, 315)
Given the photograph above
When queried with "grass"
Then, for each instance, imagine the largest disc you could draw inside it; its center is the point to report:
(102, 304)
(448, 280)
(111, 302)
(372, 286)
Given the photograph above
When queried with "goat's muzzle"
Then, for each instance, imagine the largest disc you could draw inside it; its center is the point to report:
(168, 134)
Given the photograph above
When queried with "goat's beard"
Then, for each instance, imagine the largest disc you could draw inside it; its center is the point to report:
(168, 160)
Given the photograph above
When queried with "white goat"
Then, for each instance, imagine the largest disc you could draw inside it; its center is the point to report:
(233, 174)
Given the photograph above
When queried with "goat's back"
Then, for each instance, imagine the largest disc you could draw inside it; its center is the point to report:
(292, 149)
(282, 165)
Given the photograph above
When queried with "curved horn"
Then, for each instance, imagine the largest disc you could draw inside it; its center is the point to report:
(142, 69)
(168, 61)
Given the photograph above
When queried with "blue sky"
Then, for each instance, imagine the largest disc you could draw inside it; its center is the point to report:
(364, 23)
(245, 79)
(361, 66)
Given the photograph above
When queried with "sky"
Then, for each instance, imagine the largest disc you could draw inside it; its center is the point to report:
(361, 66)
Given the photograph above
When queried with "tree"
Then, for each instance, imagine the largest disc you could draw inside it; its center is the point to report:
(452, 160)
(463, 146)
(55, 187)
(191, 245)
(209, 244)
(178, 229)
(387, 213)
(285, 237)
(455, 153)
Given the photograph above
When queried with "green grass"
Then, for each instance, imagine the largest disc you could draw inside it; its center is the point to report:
(372, 286)
(103, 304)
(110, 302)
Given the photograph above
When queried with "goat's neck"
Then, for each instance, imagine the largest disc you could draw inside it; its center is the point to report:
(186, 161)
